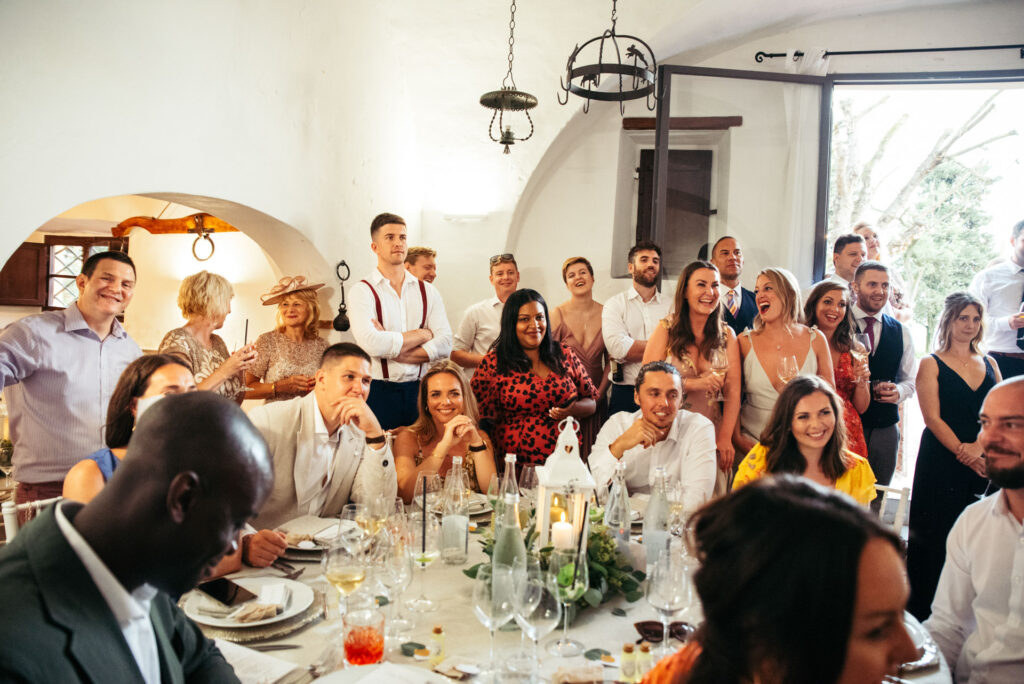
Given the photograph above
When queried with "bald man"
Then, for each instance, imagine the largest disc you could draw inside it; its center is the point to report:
(94, 587)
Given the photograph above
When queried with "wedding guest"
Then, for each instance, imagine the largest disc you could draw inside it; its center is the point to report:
(950, 473)
(482, 321)
(693, 339)
(422, 263)
(828, 308)
(848, 252)
(900, 306)
(205, 301)
(1000, 287)
(740, 307)
(778, 349)
(806, 437)
(797, 585)
(577, 324)
(447, 426)
(62, 367)
(288, 356)
(528, 383)
(95, 588)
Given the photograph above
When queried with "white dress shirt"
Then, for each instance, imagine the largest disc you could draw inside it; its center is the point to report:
(480, 326)
(907, 371)
(1000, 288)
(314, 466)
(130, 610)
(979, 603)
(401, 314)
(627, 318)
(687, 454)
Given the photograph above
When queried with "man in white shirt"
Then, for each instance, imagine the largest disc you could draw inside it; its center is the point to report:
(328, 447)
(848, 252)
(89, 593)
(628, 319)
(978, 613)
(422, 263)
(482, 321)
(659, 434)
(401, 323)
(1001, 289)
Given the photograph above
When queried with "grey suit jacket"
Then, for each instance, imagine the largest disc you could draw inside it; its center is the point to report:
(360, 473)
(55, 625)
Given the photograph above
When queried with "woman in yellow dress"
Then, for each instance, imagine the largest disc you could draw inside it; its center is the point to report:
(806, 436)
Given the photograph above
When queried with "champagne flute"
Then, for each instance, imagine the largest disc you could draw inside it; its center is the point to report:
(718, 361)
(669, 589)
(568, 578)
(788, 369)
(425, 532)
(492, 601)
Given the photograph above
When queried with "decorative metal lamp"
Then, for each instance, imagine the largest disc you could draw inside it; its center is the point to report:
(564, 485)
(508, 99)
(637, 73)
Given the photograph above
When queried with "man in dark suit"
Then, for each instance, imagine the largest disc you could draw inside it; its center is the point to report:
(89, 592)
(740, 308)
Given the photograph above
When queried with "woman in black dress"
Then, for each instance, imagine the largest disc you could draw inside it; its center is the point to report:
(950, 473)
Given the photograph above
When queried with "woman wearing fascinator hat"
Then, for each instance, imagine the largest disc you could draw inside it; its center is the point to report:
(288, 356)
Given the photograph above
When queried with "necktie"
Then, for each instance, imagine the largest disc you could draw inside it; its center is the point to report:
(1020, 331)
(869, 330)
(730, 304)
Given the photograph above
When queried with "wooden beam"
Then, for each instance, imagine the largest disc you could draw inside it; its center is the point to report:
(187, 224)
(684, 123)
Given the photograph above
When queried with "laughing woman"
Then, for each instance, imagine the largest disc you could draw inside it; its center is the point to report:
(777, 338)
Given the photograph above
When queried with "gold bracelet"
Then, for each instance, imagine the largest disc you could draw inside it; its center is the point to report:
(273, 388)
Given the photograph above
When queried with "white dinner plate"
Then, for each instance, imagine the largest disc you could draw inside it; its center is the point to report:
(301, 599)
(385, 672)
(478, 504)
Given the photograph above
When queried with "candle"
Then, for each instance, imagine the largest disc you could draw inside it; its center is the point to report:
(561, 534)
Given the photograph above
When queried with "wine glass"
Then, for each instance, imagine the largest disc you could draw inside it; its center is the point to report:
(788, 369)
(718, 361)
(669, 589)
(861, 350)
(425, 533)
(395, 571)
(527, 492)
(676, 514)
(537, 609)
(344, 561)
(568, 577)
(492, 600)
(430, 483)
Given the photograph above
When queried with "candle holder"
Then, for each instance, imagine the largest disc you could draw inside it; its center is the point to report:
(564, 485)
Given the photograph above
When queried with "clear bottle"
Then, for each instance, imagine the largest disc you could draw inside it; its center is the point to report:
(616, 510)
(454, 516)
(627, 664)
(656, 517)
(436, 645)
(509, 547)
(644, 661)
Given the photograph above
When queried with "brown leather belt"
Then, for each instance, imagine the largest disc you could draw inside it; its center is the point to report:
(1012, 355)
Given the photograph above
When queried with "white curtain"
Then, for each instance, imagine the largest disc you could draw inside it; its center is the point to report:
(802, 104)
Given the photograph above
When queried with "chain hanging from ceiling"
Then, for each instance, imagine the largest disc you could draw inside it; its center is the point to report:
(508, 99)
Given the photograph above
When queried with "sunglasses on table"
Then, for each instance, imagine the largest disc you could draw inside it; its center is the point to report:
(498, 258)
(653, 631)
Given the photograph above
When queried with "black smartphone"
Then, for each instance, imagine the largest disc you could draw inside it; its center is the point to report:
(226, 592)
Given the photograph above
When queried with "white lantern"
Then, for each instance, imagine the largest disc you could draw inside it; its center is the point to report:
(564, 485)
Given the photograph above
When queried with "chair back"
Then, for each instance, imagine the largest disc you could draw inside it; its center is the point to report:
(11, 510)
(903, 496)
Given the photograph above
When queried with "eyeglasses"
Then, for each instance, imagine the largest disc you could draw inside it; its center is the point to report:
(498, 258)
(653, 632)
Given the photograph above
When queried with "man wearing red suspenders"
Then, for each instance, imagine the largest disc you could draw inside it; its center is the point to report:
(400, 321)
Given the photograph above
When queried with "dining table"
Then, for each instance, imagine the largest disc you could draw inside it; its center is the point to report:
(608, 626)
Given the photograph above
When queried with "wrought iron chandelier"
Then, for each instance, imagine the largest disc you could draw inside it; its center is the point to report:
(508, 99)
(636, 74)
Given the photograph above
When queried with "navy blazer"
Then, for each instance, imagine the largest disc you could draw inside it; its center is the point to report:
(58, 627)
(744, 317)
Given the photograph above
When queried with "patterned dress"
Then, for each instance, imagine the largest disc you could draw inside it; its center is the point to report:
(845, 386)
(202, 361)
(518, 404)
(593, 359)
(278, 357)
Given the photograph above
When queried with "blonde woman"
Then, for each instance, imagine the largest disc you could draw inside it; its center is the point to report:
(205, 302)
(288, 356)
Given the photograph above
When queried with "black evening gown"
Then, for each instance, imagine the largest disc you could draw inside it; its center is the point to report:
(943, 487)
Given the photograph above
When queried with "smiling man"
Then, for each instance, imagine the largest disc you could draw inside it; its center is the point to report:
(61, 368)
(482, 321)
(328, 448)
(659, 434)
(979, 604)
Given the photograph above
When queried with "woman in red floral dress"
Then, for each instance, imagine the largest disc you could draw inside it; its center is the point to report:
(828, 309)
(528, 383)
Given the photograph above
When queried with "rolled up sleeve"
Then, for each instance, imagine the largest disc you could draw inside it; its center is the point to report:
(617, 339)
(440, 346)
(382, 344)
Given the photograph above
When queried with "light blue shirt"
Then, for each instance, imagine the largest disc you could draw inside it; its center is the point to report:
(59, 377)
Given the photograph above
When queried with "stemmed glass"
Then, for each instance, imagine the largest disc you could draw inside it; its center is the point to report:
(433, 485)
(344, 561)
(493, 600)
(425, 534)
(527, 492)
(537, 609)
(676, 514)
(861, 350)
(788, 369)
(669, 588)
(395, 570)
(568, 577)
(718, 360)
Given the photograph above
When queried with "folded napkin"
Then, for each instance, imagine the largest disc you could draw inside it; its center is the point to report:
(310, 525)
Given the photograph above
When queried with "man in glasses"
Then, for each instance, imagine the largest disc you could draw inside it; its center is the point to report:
(482, 321)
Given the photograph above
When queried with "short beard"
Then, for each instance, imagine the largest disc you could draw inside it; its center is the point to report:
(640, 279)
(1007, 478)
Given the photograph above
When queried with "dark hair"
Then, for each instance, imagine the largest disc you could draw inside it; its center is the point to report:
(1018, 228)
(132, 384)
(846, 239)
(702, 253)
(779, 561)
(655, 367)
(714, 247)
(90, 264)
(680, 334)
(640, 246)
(842, 338)
(381, 220)
(869, 266)
(341, 350)
(509, 353)
(782, 453)
(576, 260)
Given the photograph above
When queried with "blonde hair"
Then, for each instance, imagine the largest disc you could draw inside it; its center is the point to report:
(787, 288)
(309, 327)
(424, 426)
(204, 294)
(951, 310)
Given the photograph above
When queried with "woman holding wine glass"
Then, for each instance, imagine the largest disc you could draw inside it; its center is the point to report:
(828, 308)
(697, 341)
(778, 349)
